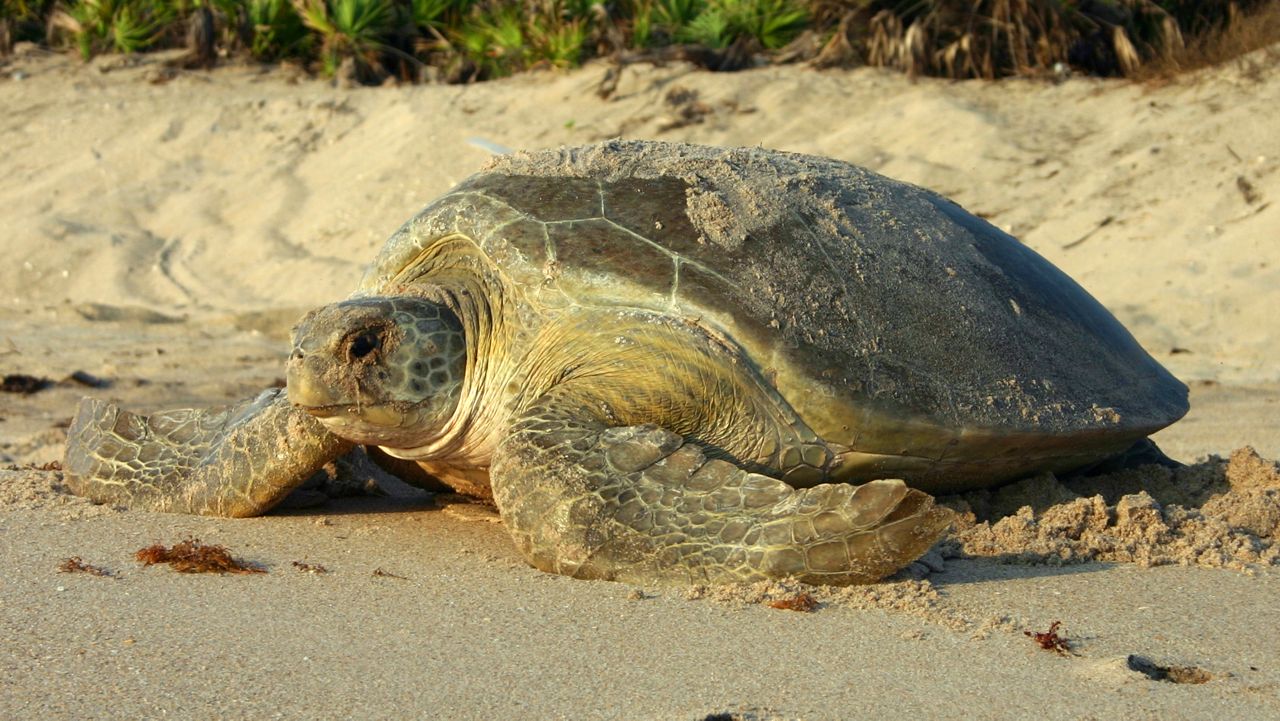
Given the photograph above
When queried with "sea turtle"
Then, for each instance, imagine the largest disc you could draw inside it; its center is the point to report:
(667, 362)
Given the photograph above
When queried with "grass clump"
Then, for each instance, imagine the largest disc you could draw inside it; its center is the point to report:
(467, 40)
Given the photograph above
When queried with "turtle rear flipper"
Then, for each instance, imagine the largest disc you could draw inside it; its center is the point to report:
(233, 461)
(640, 504)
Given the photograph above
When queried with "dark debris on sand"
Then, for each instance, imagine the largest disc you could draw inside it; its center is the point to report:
(23, 383)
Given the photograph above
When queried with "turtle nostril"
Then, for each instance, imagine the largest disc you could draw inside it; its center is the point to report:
(363, 344)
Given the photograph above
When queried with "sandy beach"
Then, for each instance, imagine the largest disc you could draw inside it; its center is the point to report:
(162, 233)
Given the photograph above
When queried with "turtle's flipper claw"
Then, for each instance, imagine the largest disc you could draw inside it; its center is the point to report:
(857, 534)
(235, 461)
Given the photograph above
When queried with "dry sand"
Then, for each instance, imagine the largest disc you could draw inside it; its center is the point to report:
(162, 237)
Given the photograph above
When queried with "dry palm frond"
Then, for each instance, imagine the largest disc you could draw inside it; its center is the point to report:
(915, 50)
(838, 51)
(885, 45)
(1126, 54)
(956, 58)
(1251, 39)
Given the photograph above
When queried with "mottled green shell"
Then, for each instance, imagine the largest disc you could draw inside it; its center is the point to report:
(892, 319)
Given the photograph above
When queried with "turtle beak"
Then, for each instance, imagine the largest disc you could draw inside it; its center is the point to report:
(310, 392)
(307, 390)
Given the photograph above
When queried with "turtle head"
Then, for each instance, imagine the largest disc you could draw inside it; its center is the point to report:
(384, 371)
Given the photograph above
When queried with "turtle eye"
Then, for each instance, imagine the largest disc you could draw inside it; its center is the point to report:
(363, 344)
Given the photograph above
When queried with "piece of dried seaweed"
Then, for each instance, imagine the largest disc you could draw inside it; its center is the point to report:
(1050, 640)
(75, 564)
(192, 556)
(802, 602)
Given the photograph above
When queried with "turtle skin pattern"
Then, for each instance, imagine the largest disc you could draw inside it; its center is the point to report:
(236, 461)
(640, 504)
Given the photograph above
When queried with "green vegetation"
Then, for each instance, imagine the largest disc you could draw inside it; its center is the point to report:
(466, 40)
(275, 30)
(125, 26)
(352, 29)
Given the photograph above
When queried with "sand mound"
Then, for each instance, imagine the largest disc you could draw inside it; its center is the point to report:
(28, 488)
(1217, 513)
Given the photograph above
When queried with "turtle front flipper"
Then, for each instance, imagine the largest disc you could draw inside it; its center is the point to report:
(640, 504)
(233, 461)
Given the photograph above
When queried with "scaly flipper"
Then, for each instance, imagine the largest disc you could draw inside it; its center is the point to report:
(234, 461)
(640, 504)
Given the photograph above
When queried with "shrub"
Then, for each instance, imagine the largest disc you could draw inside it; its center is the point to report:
(126, 26)
(347, 29)
(276, 30)
(997, 38)
(477, 39)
